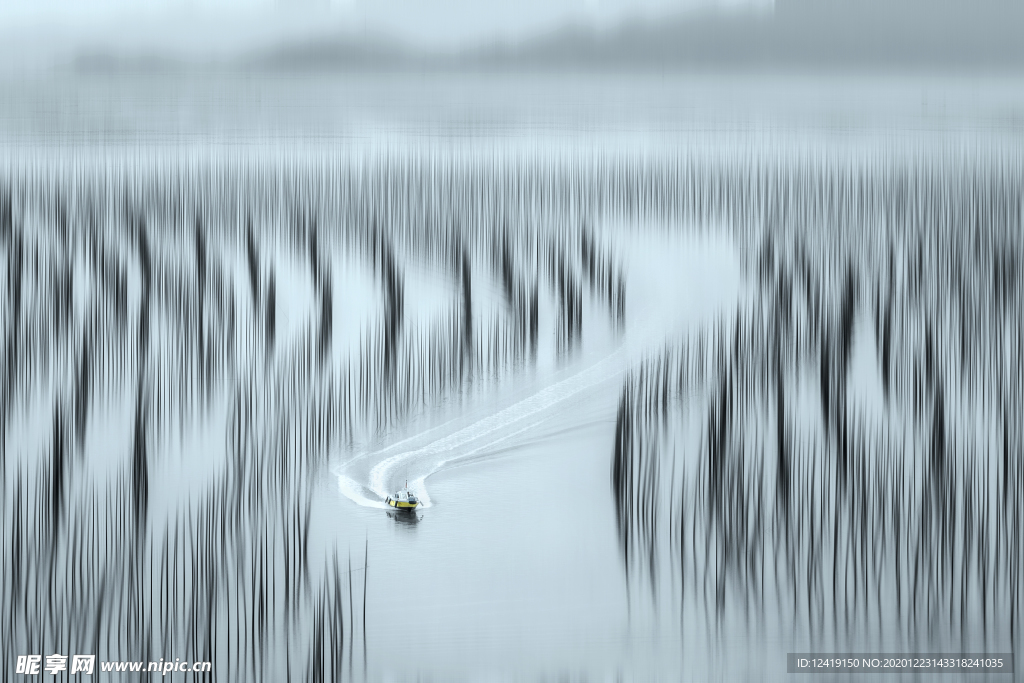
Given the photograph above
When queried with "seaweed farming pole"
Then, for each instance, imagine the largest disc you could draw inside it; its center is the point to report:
(366, 572)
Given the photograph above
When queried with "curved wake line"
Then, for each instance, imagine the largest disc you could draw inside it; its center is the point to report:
(437, 454)
(440, 451)
(353, 490)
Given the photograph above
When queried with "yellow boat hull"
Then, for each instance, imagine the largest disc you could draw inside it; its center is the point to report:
(401, 504)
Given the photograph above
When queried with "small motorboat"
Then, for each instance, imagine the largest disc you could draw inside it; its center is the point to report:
(403, 499)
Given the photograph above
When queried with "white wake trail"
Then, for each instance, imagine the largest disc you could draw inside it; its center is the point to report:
(354, 491)
(430, 458)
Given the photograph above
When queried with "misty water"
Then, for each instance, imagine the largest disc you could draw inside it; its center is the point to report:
(687, 372)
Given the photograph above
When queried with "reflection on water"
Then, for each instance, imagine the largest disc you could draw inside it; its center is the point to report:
(406, 518)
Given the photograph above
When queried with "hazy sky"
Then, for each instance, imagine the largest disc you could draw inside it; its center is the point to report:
(214, 26)
(812, 34)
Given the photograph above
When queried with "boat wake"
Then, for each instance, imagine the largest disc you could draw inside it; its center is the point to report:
(386, 469)
(358, 493)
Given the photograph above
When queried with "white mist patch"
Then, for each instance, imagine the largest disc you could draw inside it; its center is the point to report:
(865, 378)
(82, 285)
(355, 298)
(677, 280)
(296, 297)
(428, 293)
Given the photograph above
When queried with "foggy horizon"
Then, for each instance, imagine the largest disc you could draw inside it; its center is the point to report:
(789, 34)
